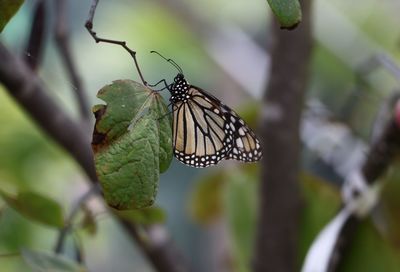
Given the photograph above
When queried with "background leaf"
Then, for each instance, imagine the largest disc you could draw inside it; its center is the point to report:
(7, 10)
(241, 212)
(206, 200)
(44, 261)
(132, 143)
(288, 12)
(36, 207)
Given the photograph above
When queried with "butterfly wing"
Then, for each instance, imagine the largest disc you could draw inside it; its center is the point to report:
(199, 133)
(207, 131)
(246, 146)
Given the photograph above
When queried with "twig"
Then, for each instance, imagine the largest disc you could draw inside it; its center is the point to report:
(95, 189)
(35, 44)
(79, 255)
(89, 27)
(159, 248)
(62, 41)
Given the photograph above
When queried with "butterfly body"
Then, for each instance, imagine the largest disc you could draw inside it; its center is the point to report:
(205, 130)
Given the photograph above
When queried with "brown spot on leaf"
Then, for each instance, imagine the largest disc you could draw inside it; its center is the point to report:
(99, 139)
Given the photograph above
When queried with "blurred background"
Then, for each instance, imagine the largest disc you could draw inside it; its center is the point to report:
(222, 47)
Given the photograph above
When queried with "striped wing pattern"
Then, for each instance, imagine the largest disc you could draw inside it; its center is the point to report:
(206, 131)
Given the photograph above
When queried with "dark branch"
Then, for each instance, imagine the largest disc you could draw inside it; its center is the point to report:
(62, 41)
(382, 152)
(158, 247)
(29, 91)
(33, 52)
(279, 207)
(89, 27)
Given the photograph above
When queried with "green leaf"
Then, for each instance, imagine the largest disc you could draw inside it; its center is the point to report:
(46, 261)
(131, 143)
(7, 10)
(36, 207)
(206, 201)
(288, 12)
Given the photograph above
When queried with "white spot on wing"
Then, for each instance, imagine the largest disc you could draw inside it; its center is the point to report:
(239, 142)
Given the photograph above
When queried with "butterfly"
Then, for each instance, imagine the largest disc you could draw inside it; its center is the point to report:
(206, 131)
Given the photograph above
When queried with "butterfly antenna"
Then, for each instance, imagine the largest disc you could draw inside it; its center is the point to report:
(170, 61)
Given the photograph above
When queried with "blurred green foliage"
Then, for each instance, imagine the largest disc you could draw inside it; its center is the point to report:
(36, 207)
(369, 249)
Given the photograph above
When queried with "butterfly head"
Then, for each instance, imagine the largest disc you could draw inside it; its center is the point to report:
(179, 89)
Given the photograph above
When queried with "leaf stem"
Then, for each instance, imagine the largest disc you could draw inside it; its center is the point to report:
(89, 27)
(94, 190)
(62, 41)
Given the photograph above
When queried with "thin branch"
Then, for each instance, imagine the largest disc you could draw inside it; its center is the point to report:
(95, 189)
(89, 27)
(79, 255)
(35, 45)
(159, 248)
(62, 41)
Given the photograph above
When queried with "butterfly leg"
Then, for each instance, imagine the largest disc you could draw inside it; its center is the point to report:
(166, 86)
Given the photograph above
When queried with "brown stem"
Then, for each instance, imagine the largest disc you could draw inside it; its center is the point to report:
(69, 220)
(35, 45)
(89, 27)
(279, 207)
(62, 41)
